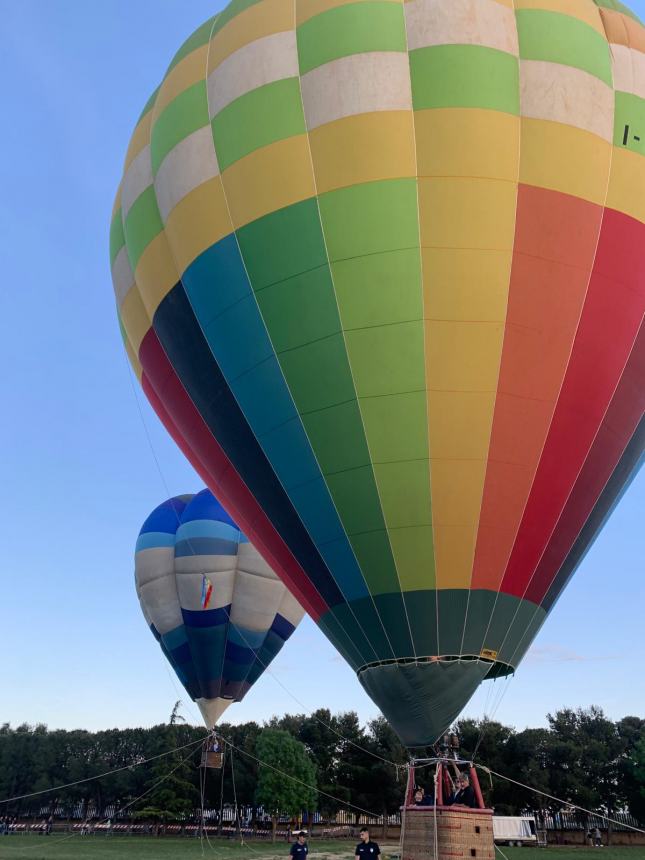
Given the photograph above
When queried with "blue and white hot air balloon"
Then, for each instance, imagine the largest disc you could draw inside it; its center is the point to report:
(218, 610)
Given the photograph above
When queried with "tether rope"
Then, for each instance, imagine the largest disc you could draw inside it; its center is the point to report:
(105, 773)
(300, 781)
(558, 799)
(55, 842)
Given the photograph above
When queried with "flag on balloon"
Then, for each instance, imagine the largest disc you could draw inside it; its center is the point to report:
(207, 591)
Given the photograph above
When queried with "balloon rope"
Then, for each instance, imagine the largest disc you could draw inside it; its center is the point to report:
(295, 779)
(243, 842)
(558, 799)
(266, 668)
(203, 834)
(438, 774)
(494, 706)
(145, 426)
(121, 809)
(105, 773)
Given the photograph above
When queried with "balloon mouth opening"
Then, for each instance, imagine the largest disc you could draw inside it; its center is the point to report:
(498, 668)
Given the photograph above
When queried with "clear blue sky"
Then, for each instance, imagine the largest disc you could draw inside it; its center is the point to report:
(78, 476)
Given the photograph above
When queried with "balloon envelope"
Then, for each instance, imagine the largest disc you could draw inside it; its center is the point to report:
(218, 611)
(380, 268)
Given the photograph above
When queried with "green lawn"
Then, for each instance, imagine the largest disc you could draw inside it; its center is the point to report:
(60, 847)
(63, 847)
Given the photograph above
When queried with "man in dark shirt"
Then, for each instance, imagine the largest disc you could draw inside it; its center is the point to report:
(299, 849)
(366, 849)
(464, 795)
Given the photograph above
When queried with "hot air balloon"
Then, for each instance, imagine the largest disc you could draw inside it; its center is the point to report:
(380, 269)
(217, 609)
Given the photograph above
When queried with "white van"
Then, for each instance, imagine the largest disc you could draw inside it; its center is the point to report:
(515, 829)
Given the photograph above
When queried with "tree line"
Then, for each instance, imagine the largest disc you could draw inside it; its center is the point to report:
(581, 757)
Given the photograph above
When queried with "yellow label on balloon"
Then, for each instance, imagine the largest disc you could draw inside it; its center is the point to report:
(488, 654)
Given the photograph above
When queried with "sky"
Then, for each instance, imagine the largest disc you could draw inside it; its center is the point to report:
(83, 459)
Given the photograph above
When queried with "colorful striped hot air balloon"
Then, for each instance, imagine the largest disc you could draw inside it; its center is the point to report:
(217, 609)
(380, 268)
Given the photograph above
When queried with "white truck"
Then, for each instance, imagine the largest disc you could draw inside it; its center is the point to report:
(515, 829)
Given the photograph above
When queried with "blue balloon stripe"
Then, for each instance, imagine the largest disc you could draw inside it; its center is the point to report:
(238, 654)
(176, 648)
(272, 646)
(206, 617)
(207, 529)
(252, 371)
(167, 516)
(181, 654)
(246, 638)
(182, 340)
(207, 648)
(282, 627)
(175, 637)
(205, 546)
(206, 508)
(154, 540)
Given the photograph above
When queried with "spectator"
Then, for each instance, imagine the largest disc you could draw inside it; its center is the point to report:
(366, 849)
(299, 848)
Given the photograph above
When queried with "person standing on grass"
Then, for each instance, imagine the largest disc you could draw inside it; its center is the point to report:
(366, 849)
(299, 848)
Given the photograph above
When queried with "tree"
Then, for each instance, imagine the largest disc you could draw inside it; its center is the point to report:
(385, 790)
(525, 756)
(585, 759)
(281, 757)
(172, 790)
(319, 733)
(632, 765)
(487, 741)
(636, 780)
(241, 763)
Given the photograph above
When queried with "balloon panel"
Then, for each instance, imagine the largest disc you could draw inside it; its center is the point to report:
(218, 611)
(379, 269)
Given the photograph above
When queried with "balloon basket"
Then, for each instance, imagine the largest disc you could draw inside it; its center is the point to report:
(212, 754)
(442, 832)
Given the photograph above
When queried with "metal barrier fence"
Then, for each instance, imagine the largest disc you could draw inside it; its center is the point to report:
(256, 820)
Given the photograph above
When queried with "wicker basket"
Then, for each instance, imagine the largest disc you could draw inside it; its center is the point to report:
(212, 758)
(460, 833)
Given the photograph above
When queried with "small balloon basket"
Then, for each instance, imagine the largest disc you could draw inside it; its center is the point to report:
(437, 831)
(212, 753)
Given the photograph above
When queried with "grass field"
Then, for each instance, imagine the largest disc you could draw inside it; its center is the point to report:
(124, 847)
